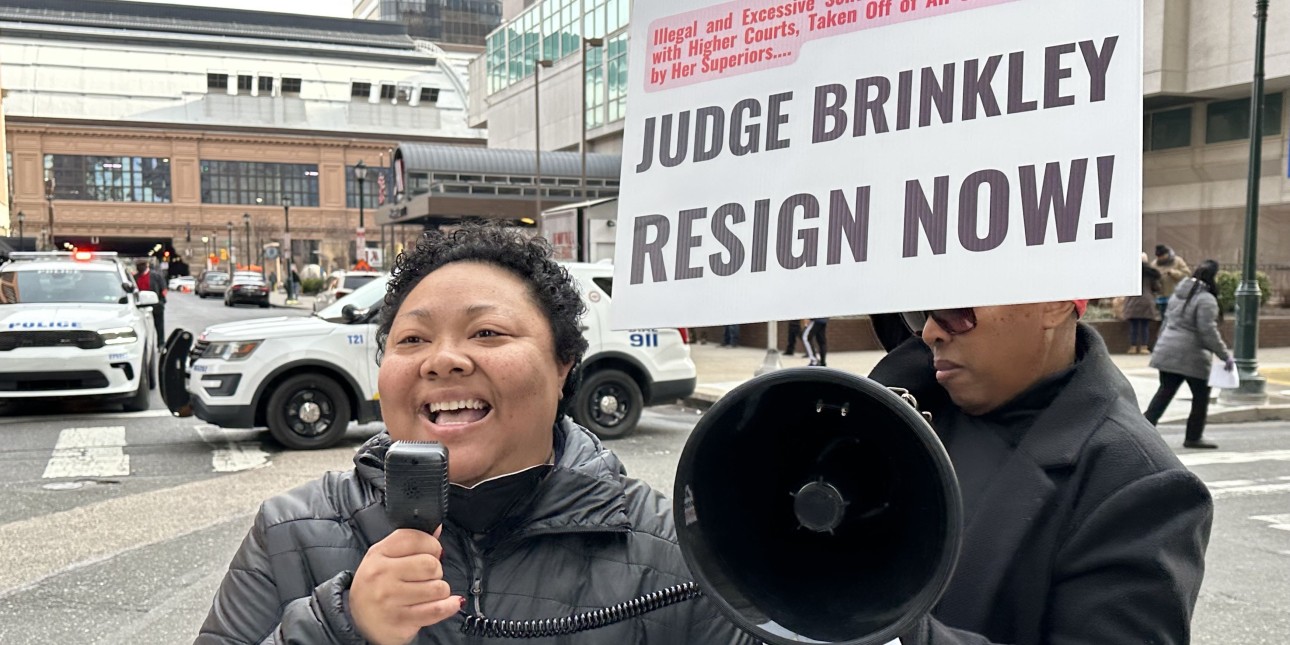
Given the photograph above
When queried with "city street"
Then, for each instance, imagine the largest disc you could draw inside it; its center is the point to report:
(134, 555)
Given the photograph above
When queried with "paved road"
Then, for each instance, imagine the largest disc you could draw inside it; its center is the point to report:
(132, 553)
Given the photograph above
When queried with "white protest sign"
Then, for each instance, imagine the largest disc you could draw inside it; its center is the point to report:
(808, 158)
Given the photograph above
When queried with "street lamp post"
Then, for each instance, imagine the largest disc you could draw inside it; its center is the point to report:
(50, 184)
(22, 243)
(360, 240)
(246, 221)
(587, 44)
(206, 247)
(537, 131)
(1253, 387)
(232, 264)
(286, 245)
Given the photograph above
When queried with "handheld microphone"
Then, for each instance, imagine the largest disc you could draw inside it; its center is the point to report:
(416, 484)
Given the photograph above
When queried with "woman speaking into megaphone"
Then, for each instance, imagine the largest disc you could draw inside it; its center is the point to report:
(481, 337)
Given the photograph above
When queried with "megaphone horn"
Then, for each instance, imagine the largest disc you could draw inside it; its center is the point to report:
(818, 506)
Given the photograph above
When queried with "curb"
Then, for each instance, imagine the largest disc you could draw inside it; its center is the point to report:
(699, 401)
(1238, 415)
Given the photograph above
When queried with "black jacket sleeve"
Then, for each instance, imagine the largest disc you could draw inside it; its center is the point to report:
(247, 608)
(1128, 573)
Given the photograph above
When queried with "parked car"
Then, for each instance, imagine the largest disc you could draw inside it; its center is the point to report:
(341, 284)
(211, 283)
(247, 289)
(182, 283)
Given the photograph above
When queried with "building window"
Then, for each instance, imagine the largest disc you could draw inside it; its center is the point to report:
(1230, 120)
(109, 179)
(429, 95)
(1166, 129)
(616, 77)
(290, 86)
(553, 29)
(595, 87)
(243, 83)
(387, 92)
(378, 190)
(266, 85)
(247, 182)
(217, 82)
(361, 90)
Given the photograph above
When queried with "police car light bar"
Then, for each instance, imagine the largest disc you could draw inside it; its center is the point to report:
(61, 255)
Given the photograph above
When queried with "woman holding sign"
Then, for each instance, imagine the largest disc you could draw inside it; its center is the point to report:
(1185, 349)
(480, 343)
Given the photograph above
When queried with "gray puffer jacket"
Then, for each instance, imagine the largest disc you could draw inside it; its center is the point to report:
(1190, 333)
(591, 538)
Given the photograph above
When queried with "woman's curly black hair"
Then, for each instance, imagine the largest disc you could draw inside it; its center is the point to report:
(505, 247)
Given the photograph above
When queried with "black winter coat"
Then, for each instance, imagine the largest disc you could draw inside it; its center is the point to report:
(591, 538)
(1085, 528)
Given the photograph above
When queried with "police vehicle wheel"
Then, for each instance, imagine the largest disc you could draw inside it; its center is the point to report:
(308, 412)
(608, 403)
(141, 399)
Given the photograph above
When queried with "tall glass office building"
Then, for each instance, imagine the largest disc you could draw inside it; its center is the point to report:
(463, 22)
(554, 29)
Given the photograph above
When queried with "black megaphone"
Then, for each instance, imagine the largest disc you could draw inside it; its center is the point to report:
(817, 506)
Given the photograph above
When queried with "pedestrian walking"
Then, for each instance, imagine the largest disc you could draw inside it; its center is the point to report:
(730, 336)
(1141, 309)
(815, 340)
(1185, 348)
(794, 330)
(147, 280)
(1173, 269)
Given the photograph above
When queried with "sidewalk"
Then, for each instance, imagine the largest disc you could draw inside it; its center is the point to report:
(278, 299)
(721, 369)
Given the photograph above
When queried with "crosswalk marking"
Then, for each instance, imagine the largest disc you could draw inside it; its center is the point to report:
(1253, 488)
(236, 457)
(1208, 458)
(1279, 522)
(89, 452)
(229, 456)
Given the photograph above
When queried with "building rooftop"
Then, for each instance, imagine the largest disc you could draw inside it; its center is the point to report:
(123, 18)
(419, 157)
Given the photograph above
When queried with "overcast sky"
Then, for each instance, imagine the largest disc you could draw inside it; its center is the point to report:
(335, 8)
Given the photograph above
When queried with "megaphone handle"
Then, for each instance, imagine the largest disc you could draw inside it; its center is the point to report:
(595, 619)
(908, 397)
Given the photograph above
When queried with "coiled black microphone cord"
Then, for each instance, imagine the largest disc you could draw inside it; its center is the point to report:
(595, 619)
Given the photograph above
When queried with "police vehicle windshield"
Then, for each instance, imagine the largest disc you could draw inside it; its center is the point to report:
(49, 285)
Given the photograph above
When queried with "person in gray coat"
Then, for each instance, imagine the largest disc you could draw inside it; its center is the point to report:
(479, 344)
(1183, 351)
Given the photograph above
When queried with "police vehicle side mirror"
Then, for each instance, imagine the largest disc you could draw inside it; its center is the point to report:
(148, 298)
(348, 313)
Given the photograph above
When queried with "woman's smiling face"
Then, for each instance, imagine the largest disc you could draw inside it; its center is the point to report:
(470, 362)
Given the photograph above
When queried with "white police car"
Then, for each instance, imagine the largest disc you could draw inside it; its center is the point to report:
(307, 378)
(75, 325)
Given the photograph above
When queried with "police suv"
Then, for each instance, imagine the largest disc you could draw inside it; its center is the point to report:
(307, 378)
(75, 325)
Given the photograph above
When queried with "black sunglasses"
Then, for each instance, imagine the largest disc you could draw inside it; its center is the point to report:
(953, 321)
